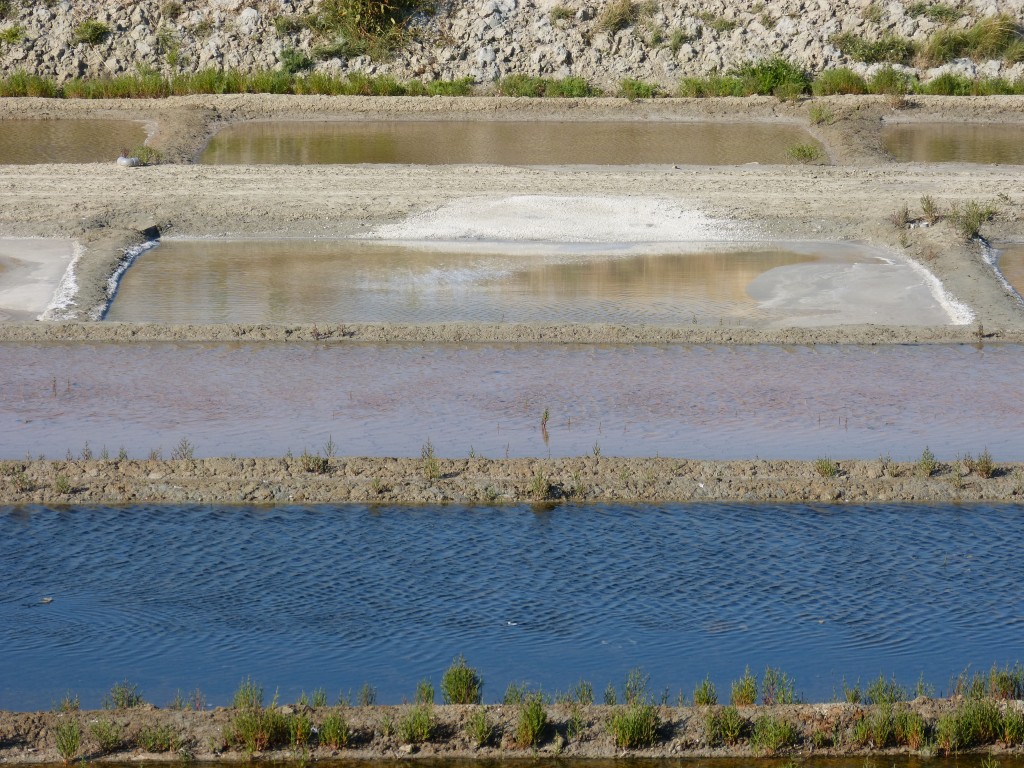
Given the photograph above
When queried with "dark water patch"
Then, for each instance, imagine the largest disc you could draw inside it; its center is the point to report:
(955, 143)
(299, 597)
(29, 142)
(502, 143)
(388, 400)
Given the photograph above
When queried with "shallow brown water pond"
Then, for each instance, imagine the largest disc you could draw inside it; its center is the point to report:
(1011, 264)
(29, 142)
(955, 143)
(503, 143)
(363, 281)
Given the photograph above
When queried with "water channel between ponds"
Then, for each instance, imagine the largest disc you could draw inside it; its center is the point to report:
(954, 143)
(29, 142)
(174, 597)
(504, 143)
(753, 284)
(264, 399)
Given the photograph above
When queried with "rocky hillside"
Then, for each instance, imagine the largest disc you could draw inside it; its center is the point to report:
(599, 40)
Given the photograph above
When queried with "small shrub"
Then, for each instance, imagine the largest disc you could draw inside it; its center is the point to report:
(540, 488)
(314, 463)
(635, 691)
(532, 721)
(256, 729)
(891, 82)
(804, 153)
(724, 726)
(901, 217)
(68, 737)
(635, 726)
(62, 485)
(853, 694)
(123, 695)
(416, 726)
(927, 466)
(11, 35)
(461, 684)
(909, 729)
(610, 696)
(882, 691)
(1013, 727)
(334, 731)
(930, 209)
(424, 692)
(825, 467)
(949, 84)
(479, 728)
(248, 695)
(617, 15)
(776, 76)
(705, 695)
(888, 49)
(367, 695)
(561, 13)
(158, 738)
(294, 60)
(744, 690)
(968, 219)
(91, 32)
(839, 81)
(431, 466)
(107, 734)
(184, 451)
(772, 734)
(582, 693)
(777, 688)
(319, 698)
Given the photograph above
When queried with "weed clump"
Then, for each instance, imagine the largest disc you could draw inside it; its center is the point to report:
(417, 725)
(927, 466)
(632, 89)
(68, 737)
(804, 153)
(532, 721)
(123, 695)
(888, 49)
(618, 15)
(968, 219)
(461, 683)
(635, 726)
(744, 690)
(997, 37)
(725, 726)
(107, 734)
(772, 734)
(91, 32)
(334, 731)
(159, 738)
(705, 695)
(825, 467)
(839, 81)
(773, 77)
(479, 728)
(777, 688)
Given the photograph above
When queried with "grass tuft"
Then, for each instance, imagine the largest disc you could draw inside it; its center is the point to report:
(744, 690)
(772, 734)
(479, 728)
(635, 726)
(724, 726)
(123, 695)
(825, 467)
(68, 737)
(705, 695)
(532, 721)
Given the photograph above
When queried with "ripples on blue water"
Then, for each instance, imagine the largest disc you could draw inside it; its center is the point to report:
(299, 597)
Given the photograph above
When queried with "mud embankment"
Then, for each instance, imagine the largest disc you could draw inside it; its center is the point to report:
(315, 479)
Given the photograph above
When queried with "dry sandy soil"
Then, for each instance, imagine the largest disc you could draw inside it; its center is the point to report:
(107, 208)
(822, 730)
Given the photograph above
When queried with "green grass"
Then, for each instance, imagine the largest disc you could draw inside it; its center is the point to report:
(314, 463)
(12, 35)
(334, 731)
(743, 692)
(777, 687)
(825, 467)
(479, 729)
(108, 735)
(705, 695)
(926, 466)
(772, 734)
(91, 32)
(248, 695)
(889, 48)
(820, 114)
(997, 37)
(159, 738)
(256, 729)
(431, 466)
(68, 737)
(718, 24)
(633, 89)
(123, 695)
(888, 81)
(940, 13)
(968, 218)
(804, 153)
(526, 85)
(839, 81)
(424, 692)
(461, 683)
(416, 726)
(883, 691)
(635, 726)
(776, 76)
(618, 15)
(531, 721)
(725, 725)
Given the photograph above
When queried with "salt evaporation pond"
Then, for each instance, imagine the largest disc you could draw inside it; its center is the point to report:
(1010, 261)
(175, 597)
(954, 143)
(503, 143)
(29, 142)
(750, 284)
(264, 399)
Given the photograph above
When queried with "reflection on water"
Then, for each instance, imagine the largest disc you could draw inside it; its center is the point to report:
(27, 142)
(503, 143)
(701, 402)
(291, 281)
(335, 596)
(955, 142)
